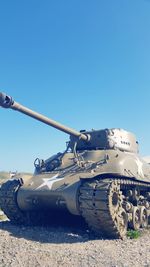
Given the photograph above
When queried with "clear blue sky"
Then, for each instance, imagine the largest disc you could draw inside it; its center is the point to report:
(84, 63)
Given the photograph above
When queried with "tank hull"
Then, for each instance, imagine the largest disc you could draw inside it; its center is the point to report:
(60, 190)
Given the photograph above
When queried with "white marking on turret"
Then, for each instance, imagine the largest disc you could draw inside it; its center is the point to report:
(49, 181)
(140, 167)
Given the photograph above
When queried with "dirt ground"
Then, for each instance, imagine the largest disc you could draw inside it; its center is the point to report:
(70, 245)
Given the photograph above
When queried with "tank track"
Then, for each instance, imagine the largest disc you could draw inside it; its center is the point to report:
(111, 206)
(8, 204)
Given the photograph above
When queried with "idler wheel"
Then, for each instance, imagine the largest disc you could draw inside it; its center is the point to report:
(135, 223)
(143, 217)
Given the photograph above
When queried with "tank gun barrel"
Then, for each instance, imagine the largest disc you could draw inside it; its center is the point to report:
(8, 102)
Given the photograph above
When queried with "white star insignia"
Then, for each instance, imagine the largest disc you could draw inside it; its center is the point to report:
(49, 181)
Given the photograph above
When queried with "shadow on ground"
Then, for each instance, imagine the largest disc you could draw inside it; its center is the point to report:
(61, 229)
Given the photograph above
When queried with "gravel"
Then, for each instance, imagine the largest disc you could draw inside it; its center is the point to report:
(68, 246)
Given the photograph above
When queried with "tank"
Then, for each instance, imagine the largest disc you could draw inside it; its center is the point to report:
(99, 177)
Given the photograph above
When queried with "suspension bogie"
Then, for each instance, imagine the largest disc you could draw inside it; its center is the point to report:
(137, 206)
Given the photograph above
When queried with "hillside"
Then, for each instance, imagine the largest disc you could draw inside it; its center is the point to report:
(6, 175)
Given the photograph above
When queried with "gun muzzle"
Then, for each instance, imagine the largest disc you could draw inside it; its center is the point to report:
(6, 101)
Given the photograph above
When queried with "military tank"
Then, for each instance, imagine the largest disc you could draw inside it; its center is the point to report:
(99, 177)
